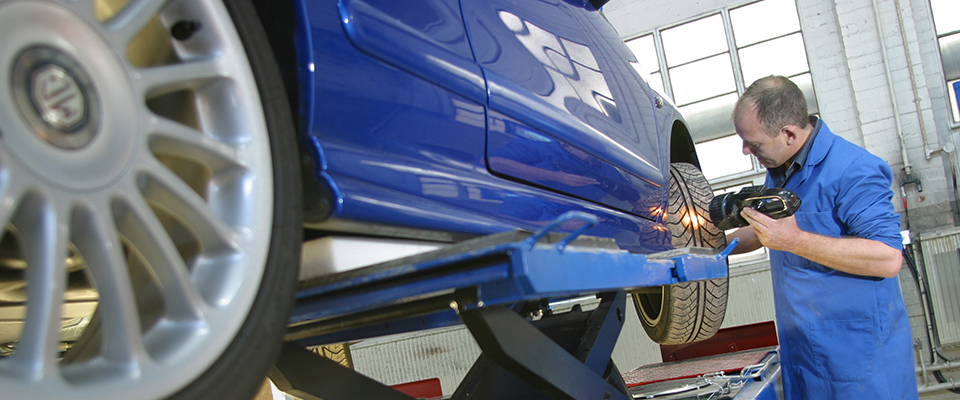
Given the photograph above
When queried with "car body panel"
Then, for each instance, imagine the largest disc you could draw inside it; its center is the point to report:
(559, 68)
(425, 38)
(517, 150)
(397, 118)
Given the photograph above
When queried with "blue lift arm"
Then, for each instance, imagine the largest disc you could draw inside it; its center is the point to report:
(490, 283)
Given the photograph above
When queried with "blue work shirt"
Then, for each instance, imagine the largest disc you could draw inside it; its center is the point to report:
(842, 336)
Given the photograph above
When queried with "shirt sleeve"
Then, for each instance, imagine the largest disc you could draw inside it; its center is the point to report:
(865, 202)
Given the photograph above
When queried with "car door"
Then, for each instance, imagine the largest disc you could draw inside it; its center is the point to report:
(565, 109)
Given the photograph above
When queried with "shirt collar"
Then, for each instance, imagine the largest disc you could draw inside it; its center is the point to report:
(781, 174)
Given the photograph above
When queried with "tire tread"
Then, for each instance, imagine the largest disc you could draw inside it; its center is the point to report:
(691, 311)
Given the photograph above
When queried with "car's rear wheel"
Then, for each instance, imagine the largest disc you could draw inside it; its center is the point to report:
(687, 311)
(149, 199)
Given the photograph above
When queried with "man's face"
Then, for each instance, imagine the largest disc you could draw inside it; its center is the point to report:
(771, 151)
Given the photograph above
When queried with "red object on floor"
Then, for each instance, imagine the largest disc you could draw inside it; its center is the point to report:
(726, 363)
(426, 388)
(727, 340)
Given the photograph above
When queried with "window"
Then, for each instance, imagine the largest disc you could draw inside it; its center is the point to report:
(698, 60)
(703, 65)
(948, 35)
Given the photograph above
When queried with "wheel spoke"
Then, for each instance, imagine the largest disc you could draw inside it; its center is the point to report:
(96, 239)
(127, 23)
(10, 194)
(43, 241)
(83, 8)
(166, 190)
(146, 234)
(174, 138)
(166, 79)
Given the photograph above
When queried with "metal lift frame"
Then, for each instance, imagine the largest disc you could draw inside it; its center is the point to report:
(499, 286)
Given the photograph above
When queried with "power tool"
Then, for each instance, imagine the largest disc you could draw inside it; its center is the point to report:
(774, 202)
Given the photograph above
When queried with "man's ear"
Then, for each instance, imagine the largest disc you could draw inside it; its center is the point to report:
(792, 132)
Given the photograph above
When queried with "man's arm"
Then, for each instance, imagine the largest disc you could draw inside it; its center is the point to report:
(851, 255)
(748, 240)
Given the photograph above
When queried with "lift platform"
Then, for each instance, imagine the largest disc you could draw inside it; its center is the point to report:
(500, 286)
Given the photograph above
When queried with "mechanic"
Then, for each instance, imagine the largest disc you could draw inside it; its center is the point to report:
(841, 319)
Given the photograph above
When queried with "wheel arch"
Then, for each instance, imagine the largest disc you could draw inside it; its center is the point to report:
(282, 20)
(682, 148)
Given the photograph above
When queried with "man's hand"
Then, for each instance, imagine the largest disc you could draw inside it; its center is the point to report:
(776, 234)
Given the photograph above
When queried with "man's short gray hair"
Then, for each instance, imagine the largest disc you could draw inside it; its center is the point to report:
(779, 102)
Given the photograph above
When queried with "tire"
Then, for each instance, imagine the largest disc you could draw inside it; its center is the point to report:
(171, 188)
(688, 311)
(337, 352)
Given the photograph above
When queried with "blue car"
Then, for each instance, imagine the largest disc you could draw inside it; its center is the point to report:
(162, 163)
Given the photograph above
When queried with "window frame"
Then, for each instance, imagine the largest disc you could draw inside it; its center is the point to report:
(949, 94)
(757, 172)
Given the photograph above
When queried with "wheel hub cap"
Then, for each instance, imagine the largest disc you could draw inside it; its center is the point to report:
(70, 114)
(55, 97)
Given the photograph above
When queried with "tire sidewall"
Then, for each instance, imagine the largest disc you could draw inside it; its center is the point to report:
(241, 369)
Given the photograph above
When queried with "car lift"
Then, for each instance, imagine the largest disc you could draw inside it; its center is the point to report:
(500, 287)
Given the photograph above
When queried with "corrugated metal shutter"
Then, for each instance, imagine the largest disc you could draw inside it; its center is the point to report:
(445, 353)
(750, 299)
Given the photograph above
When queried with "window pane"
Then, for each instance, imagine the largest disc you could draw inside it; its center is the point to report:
(654, 80)
(710, 119)
(784, 56)
(643, 48)
(694, 40)
(945, 14)
(656, 83)
(702, 79)
(950, 54)
(805, 83)
(952, 88)
(722, 157)
(764, 20)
